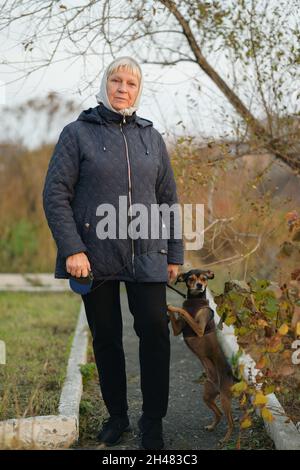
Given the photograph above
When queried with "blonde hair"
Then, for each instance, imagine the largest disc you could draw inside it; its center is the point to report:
(128, 63)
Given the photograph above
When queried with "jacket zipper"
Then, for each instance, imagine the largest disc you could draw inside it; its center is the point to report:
(129, 190)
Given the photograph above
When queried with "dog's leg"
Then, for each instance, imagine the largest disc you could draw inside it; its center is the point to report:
(209, 396)
(211, 391)
(225, 398)
(187, 318)
(221, 375)
(177, 324)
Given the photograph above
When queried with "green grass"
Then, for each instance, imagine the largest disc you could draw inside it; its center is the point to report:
(38, 331)
(92, 409)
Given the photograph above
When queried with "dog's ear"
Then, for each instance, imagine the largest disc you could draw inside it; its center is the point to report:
(181, 277)
(210, 274)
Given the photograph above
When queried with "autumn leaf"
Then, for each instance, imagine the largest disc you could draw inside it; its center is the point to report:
(267, 415)
(283, 329)
(284, 305)
(242, 331)
(298, 328)
(262, 322)
(230, 320)
(246, 422)
(239, 387)
(241, 369)
(275, 344)
(269, 389)
(243, 400)
(260, 399)
(261, 363)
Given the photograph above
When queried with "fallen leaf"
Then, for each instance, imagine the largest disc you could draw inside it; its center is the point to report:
(283, 329)
(246, 423)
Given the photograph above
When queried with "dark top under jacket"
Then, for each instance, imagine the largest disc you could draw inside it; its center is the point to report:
(98, 158)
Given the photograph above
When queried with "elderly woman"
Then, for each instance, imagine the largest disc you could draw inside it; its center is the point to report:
(107, 156)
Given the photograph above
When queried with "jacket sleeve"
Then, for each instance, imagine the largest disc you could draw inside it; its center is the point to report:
(166, 193)
(58, 192)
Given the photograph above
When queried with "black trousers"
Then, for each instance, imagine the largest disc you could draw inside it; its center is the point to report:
(147, 304)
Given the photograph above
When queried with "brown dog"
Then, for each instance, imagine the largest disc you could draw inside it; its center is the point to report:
(196, 323)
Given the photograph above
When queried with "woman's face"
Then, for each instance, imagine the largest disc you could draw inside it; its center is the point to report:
(122, 89)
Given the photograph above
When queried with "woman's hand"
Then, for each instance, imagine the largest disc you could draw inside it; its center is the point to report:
(78, 265)
(172, 271)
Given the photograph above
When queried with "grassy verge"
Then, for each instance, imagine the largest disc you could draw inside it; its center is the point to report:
(254, 438)
(38, 331)
(92, 408)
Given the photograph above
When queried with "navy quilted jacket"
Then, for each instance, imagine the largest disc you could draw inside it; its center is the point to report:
(99, 157)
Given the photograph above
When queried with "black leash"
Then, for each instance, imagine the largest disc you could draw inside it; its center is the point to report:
(176, 290)
(107, 279)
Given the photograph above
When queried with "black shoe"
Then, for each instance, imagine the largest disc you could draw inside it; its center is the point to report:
(112, 429)
(151, 431)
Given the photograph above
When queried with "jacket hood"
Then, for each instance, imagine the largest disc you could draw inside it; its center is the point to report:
(101, 115)
(104, 116)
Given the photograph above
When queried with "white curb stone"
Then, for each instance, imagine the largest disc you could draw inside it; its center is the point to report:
(53, 432)
(31, 282)
(39, 432)
(72, 389)
(281, 430)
